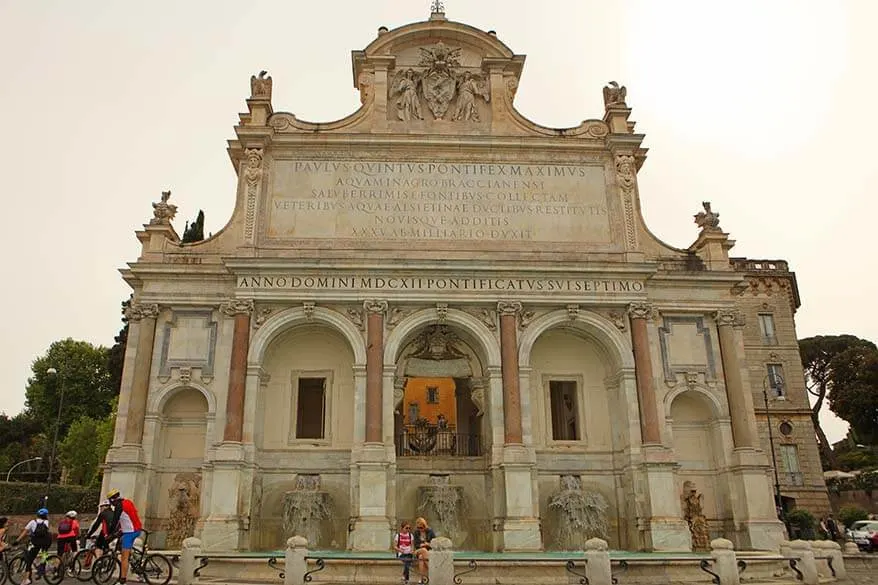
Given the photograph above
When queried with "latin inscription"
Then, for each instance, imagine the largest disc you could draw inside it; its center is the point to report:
(439, 201)
(425, 283)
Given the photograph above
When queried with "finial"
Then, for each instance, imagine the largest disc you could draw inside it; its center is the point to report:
(707, 220)
(437, 7)
(162, 211)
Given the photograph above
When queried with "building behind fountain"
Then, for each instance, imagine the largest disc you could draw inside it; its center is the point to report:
(437, 307)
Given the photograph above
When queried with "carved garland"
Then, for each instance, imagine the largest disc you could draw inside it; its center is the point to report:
(253, 178)
(136, 312)
(237, 307)
(627, 182)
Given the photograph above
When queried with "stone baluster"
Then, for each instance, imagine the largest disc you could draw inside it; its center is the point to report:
(725, 562)
(833, 549)
(801, 549)
(296, 561)
(509, 312)
(240, 310)
(640, 314)
(743, 433)
(189, 552)
(440, 569)
(597, 562)
(375, 310)
(146, 314)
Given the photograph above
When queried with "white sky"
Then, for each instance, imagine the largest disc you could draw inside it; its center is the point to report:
(763, 107)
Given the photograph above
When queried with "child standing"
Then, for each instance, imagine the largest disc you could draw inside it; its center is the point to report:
(403, 542)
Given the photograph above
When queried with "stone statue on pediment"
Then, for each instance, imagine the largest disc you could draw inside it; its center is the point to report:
(707, 220)
(408, 104)
(469, 87)
(614, 95)
(162, 211)
(260, 86)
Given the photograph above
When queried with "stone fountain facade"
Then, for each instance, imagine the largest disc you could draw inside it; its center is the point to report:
(438, 240)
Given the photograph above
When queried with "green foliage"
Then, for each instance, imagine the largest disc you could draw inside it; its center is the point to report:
(83, 377)
(194, 232)
(854, 394)
(850, 514)
(84, 449)
(802, 523)
(21, 438)
(116, 354)
(25, 498)
(856, 459)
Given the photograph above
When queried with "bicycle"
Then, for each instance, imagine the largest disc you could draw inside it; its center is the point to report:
(85, 559)
(154, 568)
(47, 566)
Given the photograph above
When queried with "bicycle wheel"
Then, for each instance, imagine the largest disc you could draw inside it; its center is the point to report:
(106, 570)
(156, 569)
(4, 570)
(80, 567)
(17, 569)
(53, 570)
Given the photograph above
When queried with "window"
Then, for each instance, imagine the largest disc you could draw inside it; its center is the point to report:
(562, 396)
(766, 327)
(432, 395)
(789, 457)
(775, 380)
(310, 408)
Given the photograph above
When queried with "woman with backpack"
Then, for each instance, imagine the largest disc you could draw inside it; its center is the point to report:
(68, 533)
(37, 531)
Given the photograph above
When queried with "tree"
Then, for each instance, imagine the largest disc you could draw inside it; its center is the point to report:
(83, 376)
(21, 438)
(818, 359)
(116, 354)
(85, 447)
(854, 393)
(194, 232)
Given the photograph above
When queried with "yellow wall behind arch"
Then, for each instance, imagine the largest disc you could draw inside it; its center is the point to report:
(416, 392)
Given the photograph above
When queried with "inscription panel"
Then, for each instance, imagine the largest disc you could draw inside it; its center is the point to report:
(476, 202)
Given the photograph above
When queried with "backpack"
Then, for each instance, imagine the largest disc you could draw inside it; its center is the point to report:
(41, 534)
(65, 526)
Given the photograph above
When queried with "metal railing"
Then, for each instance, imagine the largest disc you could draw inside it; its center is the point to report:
(435, 442)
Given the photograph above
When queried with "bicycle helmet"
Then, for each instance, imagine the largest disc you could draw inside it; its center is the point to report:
(112, 494)
(71, 514)
(43, 512)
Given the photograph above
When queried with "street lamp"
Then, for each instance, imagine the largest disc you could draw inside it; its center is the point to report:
(9, 473)
(778, 384)
(53, 372)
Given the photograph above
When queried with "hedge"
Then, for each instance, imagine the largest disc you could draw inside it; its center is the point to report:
(25, 498)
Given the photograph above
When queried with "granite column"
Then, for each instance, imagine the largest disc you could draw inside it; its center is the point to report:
(374, 369)
(239, 310)
(508, 312)
(640, 313)
(743, 432)
(134, 417)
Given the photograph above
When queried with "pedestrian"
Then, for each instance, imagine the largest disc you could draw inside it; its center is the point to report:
(37, 531)
(423, 535)
(832, 527)
(404, 545)
(126, 523)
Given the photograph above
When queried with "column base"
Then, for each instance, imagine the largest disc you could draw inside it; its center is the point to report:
(126, 471)
(371, 528)
(370, 534)
(668, 535)
(752, 497)
(522, 536)
(759, 535)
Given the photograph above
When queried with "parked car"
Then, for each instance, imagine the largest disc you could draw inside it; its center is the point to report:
(865, 534)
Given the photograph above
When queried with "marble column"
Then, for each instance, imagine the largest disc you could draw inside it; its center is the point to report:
(508, 312)
(239, 310)
(640, 313)
(743, 434)
(134, 420)
(374, 368)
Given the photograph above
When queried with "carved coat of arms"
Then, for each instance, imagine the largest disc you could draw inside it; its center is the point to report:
(438, 84)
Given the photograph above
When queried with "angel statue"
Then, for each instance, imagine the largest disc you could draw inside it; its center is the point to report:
(408, 107)
(162, 211)
(468, 87)
(707, 219)
(615, 95)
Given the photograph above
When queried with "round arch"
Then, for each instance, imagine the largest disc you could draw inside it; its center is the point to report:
(703, 394)
(601, 330)
(295, 316)
(406, 328)
(158, 400)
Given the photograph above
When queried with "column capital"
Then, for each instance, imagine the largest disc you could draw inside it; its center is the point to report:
(373, 306)
(237, 307)
(138, 311)
(506, 308)
(642, 311)
(726, 317)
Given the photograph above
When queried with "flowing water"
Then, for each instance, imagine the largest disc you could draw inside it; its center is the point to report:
(579, 514)
(306, 509)
(442, 503)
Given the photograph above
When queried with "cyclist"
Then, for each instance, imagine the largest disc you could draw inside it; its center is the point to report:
(37, 530)
(68, 532)
(99, 533)
(127, 522)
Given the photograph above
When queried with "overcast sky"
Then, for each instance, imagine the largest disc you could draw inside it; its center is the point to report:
(762, 107)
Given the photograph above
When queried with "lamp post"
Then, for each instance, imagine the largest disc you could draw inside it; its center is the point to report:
(54, 372)
(778, 500)
(9, 473)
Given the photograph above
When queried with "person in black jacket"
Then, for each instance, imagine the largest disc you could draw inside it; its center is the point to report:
(423, 535)
(100, 532)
